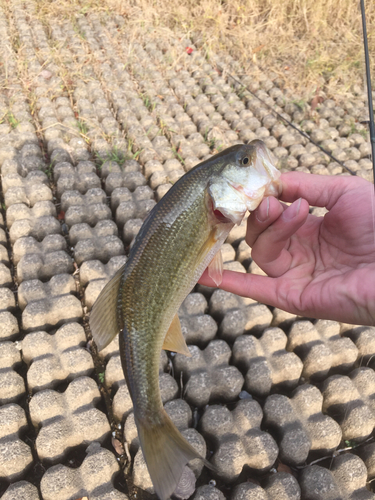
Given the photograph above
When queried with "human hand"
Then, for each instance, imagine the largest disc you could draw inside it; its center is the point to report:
(319, 267)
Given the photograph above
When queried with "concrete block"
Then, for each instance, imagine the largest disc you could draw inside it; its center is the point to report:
(3, 238)
(71, 198)
(21, 490)
(279, 486)
(43, 266)
(9, 329)
(253, 318)
(222, 302)
(7, 300)
(21, 211)
(130, 180)
(267, 364)
(36, 290)
(95, 270)
(243, 254)
(300, 425)
(208, 492)
(4, 256)
(29, 245)
(51, 312)
(83, 231)
(68, 419)
(350, 401)
(15, 455)
(12, 385)
(237, 234)
(346, 479)
(100, 242)
(28, 190)
(131, 229)
(208, 376)
(38, 228)
(53, 359)
(94, 478)
(197, 327)
(321, 348)
(283, 319)
(101, 248)
(78, 181)
(5, 275)
(90, 214)
(94, 276)
(128, 166)
(122, 195)
(238, 439)
(364, 340)
(128, 210)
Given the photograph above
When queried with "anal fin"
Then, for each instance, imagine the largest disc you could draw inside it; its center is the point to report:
(174, 339)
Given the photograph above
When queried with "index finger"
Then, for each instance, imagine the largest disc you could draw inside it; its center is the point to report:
(318, 190)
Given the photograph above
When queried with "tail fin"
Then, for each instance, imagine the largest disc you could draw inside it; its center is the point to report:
(166, 453)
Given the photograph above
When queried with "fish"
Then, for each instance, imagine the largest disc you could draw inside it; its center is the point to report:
(180, 237)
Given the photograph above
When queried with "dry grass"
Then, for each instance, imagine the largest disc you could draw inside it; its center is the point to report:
(309, 43)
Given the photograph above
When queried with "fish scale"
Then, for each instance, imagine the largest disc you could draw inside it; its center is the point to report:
(178, 240)
(161, 301)
(143, 329)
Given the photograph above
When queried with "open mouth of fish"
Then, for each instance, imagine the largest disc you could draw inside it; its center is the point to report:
(247, 194)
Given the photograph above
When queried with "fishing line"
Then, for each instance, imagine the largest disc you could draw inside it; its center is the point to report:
(287, 121)
(369, 91)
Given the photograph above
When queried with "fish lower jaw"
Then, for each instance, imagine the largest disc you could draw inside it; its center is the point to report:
(234, 217)
(253, 199)
(274, 189)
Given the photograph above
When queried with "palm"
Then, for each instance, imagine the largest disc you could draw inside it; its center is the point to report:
(329, 256)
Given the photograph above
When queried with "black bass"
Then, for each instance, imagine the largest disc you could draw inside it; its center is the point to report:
(181, 236)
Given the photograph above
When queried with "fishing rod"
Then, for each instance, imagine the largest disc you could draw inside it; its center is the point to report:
(368, 81)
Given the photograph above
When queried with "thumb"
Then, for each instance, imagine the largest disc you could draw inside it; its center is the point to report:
(270, 250)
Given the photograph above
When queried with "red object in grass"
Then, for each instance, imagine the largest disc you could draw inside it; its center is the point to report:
(189, 50)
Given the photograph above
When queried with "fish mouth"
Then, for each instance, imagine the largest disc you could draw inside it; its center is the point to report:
(251, 196)
(265, 167)
(247, 198)
(243, 188)
(232, 211)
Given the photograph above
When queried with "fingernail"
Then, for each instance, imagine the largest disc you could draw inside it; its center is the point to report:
(293, 210)
(263, 211)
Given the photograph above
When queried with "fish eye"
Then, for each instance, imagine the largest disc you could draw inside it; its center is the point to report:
(245, 160)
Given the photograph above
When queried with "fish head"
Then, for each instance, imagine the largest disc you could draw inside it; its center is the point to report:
(243, 182)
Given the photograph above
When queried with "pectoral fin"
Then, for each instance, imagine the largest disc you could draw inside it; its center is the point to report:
(174, 340)
(215, 268)
(103, 317)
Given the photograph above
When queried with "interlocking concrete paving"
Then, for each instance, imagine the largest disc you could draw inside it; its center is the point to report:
(95, 126)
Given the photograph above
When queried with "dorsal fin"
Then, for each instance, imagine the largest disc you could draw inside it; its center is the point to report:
(103, 317)
(174, 340)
